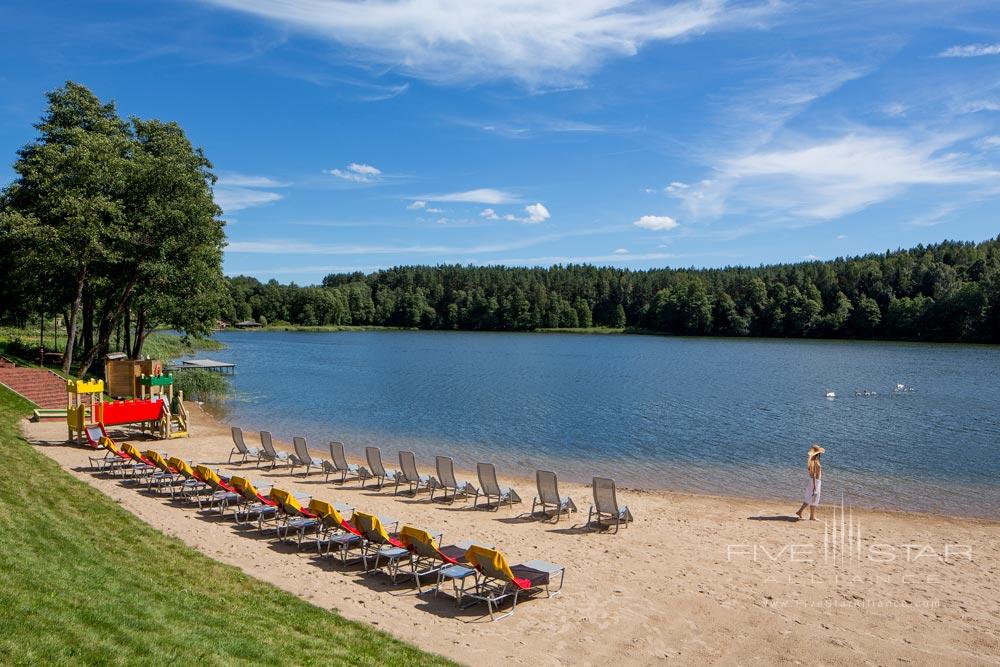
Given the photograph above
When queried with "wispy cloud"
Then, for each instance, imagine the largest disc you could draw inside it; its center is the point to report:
(278, 246)
(477, 196)
(543, 43)
(387, 93)
(971, 51)
(236, 192)
(526, 127)
(826, 179)
(357, 173)
(246, 181)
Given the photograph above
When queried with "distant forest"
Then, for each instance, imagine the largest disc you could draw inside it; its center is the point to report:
(944, 292)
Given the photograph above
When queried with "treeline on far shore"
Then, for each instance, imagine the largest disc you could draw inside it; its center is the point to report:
(944, 292)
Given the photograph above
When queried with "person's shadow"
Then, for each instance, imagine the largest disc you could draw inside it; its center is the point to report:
(777, 517)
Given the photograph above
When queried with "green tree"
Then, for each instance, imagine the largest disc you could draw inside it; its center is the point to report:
(69, 196)
(583, 313)
(866, 316)
(618, 320)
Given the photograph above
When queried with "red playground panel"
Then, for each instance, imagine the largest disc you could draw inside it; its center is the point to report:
(128, 412)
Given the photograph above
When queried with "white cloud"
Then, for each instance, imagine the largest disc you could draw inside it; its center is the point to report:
(434, 210)
(828, 178)
(841, 237)
(478, 196)
(417, 205)
(659, 223)
(812, 258)
(621, 251)
(236, 192)
(538, 43)
(356, 173)
(536, 213)
(490, 214)
(971, 51)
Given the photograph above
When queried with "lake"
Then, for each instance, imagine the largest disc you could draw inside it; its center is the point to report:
(713, 415)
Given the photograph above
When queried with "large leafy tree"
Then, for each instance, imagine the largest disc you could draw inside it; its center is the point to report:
(67, 200)
(109, 218)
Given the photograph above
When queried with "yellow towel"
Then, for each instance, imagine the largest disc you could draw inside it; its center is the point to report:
(489, 561)
(181, 466)
(244, 487)
(285, 500)
(157, 459)
(415, 537)
(109, 444)
(131, 449)
(208, 475)
(371, 527)
(327, 513)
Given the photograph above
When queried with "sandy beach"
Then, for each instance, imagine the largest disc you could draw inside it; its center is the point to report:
(695, 579)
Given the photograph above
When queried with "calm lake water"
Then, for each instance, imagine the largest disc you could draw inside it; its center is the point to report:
(723, 416)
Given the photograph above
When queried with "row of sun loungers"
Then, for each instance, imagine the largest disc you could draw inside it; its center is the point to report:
(605, 512)
(477, 572)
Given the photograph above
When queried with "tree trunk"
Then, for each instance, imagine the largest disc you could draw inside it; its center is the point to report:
(140, 332)
(127, 325)
(88, 322)
(110, 316)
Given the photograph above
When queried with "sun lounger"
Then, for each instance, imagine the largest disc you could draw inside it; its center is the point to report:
(491, 489)
(447, 482)
(548, 498)
(302, 457)
(254, 503)
(381, 543)
(141, 466)
(338, 465)
(296, 517)
(240, 447)
(375, 469)
(192, 487)
(335, 533)
(269, 453)
(167, 475)
(97, 438)
(428, 558)
(605, 509)
(223, 494)
(408, 475)
(113, 457)
(498, 580)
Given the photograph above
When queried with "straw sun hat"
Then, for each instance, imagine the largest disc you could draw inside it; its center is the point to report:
(814, 451)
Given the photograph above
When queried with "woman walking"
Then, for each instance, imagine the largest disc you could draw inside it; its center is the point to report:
(815, 481)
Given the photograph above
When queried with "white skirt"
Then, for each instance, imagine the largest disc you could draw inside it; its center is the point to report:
(812, 492)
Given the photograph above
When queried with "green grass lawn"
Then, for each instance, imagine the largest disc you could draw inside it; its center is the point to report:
(84, 581)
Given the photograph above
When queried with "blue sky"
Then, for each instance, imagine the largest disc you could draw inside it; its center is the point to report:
(360, 135)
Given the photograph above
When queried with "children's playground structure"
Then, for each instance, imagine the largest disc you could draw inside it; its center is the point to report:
(162, 414)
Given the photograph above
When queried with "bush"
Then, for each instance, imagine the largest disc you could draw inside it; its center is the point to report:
(200, 385)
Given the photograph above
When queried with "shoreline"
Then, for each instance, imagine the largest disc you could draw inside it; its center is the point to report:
(694, 577)
(524, 480)
(597, 331)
